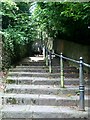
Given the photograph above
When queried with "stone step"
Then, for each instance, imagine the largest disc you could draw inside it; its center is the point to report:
(32, 89)
(32, 61)
(29, 70)
(44, 89)
(41, 63)
(42, 81)
(40, 99)
(35, 64)
(42, 70)
(13, 112)
(45, 67)
(22, 66)
(40, 74)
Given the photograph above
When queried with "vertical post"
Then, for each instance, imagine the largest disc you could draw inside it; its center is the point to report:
(81, 86)
(61, 71)
(50, 62)
(44, 51)
(46, 58)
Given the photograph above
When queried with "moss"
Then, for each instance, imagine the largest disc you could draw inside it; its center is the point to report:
(11, 100)
(45, 67)
(77, 92)
(9, 90)
(9, 81)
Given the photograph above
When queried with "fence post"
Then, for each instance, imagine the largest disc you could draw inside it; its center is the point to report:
(50, 62)
(61, 71)
(81, 86)
(46, 58)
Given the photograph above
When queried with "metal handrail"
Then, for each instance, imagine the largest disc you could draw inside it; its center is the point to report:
(85, 64)
(66, 58)
(56, 54)
(81, 78)
(70, 59)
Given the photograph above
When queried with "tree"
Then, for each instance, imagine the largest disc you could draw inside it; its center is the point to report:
(24, 22)
(66, 20)
(16, 31)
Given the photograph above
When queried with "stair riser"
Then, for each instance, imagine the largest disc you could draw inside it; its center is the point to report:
(43, 70)
(42, 101)
(45, 75)
(32, 67)
(33, 70)
(17, 119)
(46, 67)
(26, 112)
(48, 92)
(43, 82)
(33, 91)
(34, 64)
(31, 114)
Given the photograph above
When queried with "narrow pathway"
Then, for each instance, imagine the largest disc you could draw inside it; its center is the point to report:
(32, 92)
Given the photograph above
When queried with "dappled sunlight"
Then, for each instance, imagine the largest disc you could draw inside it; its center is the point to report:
(37, 58)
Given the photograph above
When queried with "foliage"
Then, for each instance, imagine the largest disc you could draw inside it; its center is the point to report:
(24, 22)
(66, 20)
(16, 32)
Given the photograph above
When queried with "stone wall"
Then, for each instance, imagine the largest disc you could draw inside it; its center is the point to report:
(72, 50)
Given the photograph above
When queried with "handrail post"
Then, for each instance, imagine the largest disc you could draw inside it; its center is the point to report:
(61, 71)
(81, 86)
(50, 62)
(46, 58)
(44, 52)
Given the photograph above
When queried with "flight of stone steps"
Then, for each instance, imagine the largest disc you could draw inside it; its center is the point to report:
(32, 92)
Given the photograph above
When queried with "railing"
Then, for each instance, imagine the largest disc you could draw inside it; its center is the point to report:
(49, 55)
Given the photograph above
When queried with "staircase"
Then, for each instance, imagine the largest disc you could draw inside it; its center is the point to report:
(32, 92)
